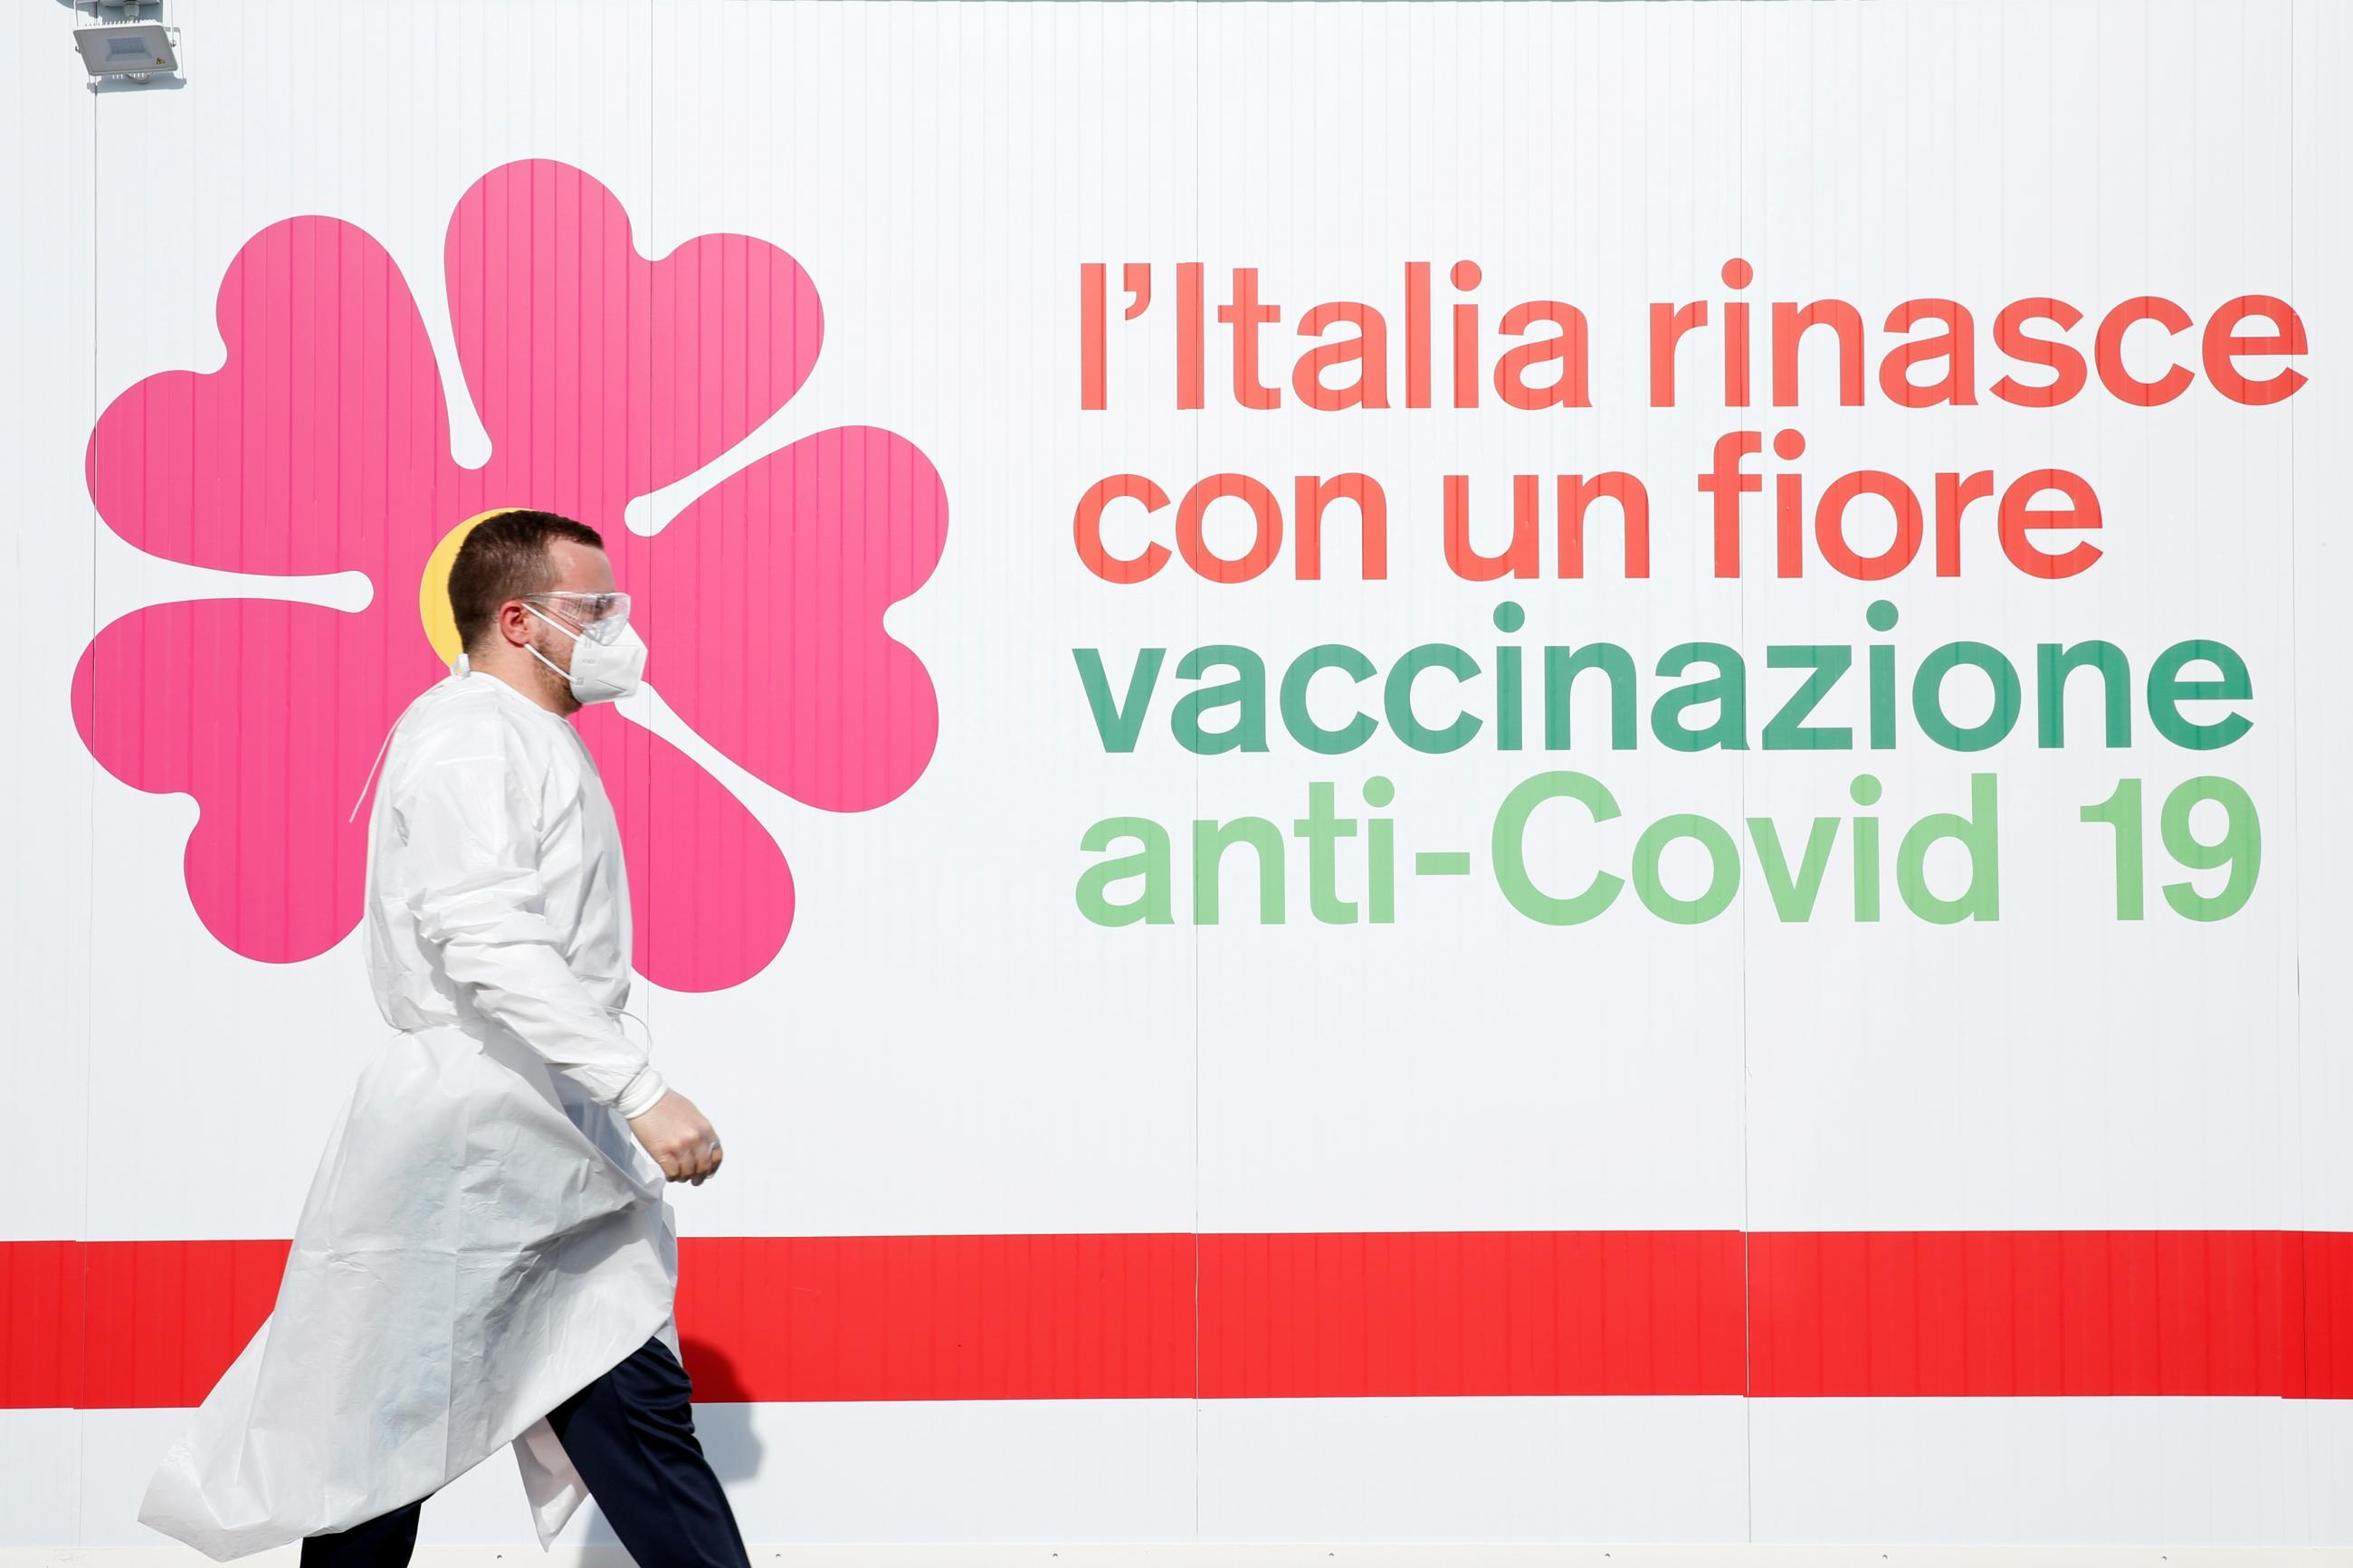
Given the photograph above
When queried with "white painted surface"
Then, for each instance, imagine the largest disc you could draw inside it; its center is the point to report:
(944, 1047)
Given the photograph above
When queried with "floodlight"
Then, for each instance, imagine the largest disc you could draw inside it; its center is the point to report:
(134, 49)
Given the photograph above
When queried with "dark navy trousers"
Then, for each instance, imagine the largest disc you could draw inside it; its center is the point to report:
(630, 1434)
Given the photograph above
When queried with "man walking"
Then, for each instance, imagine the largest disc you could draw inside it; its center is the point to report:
(485, 1257)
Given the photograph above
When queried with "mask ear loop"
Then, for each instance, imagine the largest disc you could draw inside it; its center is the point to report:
(462, 665)
(364, 783)
(648, 1028)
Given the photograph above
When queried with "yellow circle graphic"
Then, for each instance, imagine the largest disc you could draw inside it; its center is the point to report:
(433, 592)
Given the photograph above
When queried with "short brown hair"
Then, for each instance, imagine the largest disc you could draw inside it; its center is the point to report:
(505, 557)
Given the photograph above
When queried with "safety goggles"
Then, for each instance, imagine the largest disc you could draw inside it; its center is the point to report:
(599, 618)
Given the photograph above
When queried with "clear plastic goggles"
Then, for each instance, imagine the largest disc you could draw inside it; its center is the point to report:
(599, 618)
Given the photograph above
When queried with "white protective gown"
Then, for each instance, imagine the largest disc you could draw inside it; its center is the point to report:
(483, 1235)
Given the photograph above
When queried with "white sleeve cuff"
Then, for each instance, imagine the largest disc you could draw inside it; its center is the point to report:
(645, 1092)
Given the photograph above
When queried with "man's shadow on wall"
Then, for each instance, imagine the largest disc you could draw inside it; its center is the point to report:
(722, 1424)
(722, 1411)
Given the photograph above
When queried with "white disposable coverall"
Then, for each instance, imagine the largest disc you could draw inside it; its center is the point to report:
(483, 1235)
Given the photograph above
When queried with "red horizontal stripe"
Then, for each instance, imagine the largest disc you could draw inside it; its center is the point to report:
(938, 1317)
(1441, 1312)
(1781, 1314)
(2052, 1312)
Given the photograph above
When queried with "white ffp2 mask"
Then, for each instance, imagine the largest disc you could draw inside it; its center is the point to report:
(601, 672)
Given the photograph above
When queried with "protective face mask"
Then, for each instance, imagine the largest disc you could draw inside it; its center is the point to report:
(601, 671)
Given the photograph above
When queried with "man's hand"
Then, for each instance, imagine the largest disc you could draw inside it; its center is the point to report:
(679, 1138)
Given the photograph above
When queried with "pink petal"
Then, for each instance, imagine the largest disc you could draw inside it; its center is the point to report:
(317, 446)
(269, 713)
(601, 375)
(762, 604)
(709, 895)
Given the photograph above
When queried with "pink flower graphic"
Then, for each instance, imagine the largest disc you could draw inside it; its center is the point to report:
(322, 445)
